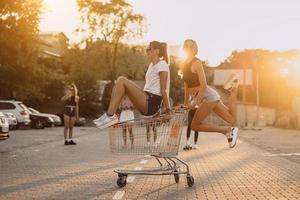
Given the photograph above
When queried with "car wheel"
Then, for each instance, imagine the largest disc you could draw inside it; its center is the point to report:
(39, 124)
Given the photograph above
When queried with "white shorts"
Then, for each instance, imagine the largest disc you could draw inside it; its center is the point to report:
(126, 115)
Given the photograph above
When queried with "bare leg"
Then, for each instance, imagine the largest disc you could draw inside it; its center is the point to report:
(66, 126)
(136, 95)
(196, 134)
(202, 112)
(72, 122)
(228, 113)
(131, 134)
(154, 132)
(124, 135)
(148, 131)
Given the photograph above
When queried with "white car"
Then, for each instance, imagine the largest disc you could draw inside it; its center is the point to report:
(18, 109)
(4, 127)
(12, 120)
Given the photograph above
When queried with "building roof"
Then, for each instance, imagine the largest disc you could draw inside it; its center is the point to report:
(54, 33)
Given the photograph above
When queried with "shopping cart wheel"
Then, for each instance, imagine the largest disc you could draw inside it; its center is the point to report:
(190, 181)
(176, 176)
(121, 182)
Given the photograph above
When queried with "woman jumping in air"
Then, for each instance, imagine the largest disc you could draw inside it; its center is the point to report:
(205, 98)
(149, 99)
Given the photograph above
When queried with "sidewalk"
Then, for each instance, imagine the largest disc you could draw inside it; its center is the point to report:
(53, 171)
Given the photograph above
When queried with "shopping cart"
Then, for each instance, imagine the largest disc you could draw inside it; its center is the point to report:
(164, 149)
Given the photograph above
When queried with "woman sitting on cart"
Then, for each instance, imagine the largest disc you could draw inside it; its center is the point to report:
(149, 99)
(205, 98)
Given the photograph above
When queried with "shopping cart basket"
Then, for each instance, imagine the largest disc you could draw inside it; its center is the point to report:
(164, 149)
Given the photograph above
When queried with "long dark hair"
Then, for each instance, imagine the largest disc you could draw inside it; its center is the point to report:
(162, 47)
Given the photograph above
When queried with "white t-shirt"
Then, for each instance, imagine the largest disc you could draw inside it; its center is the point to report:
(152, 79)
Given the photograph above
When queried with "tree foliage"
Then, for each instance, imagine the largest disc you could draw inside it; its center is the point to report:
(112, 22)
(21, 75)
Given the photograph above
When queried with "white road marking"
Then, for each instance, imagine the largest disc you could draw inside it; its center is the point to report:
(143, 161)
(130, 179)
(138, 168)
(285, 154)
(118, 195)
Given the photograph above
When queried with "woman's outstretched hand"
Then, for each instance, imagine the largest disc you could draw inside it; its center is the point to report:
(168, 114)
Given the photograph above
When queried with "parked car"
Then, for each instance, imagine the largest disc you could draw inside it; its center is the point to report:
(12, 121)
(80, 122)
(39, 121)
(18, 109)
(56, 119)
(4, 127)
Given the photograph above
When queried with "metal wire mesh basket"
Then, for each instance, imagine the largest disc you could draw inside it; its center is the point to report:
(147, 135)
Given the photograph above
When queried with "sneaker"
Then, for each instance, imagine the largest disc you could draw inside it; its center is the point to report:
(232, 82)
(232, 137)
(66, 142)
(107, 121)
(187, 147)
(71, 142)
(195, 146)
(99, 119)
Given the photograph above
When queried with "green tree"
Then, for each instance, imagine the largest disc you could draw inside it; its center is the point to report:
(112, 22)
(21, 75)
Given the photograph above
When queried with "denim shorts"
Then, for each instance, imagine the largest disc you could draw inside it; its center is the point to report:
(153, 103)
(211, 95)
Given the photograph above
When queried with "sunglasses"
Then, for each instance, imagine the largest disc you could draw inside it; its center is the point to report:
(188, 46)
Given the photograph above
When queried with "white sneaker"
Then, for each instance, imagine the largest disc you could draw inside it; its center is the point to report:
(99, 119)
(107, 121)
(195, 146)
(232, 82)
(232, 136)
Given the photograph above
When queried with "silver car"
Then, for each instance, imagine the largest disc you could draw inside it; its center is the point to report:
(12, 121)
(4, 127)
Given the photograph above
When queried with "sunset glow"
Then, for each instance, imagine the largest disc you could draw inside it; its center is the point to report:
(219, 27)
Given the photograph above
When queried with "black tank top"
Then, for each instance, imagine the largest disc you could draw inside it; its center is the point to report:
(189, 77)
(71, 101)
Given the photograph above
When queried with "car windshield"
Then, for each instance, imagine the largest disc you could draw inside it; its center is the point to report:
(33, 110)
(23, 106)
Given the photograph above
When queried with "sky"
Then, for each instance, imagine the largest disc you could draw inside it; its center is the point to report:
(218, 26)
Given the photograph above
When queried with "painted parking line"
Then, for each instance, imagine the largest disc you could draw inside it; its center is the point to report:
(130, 179)
(284, 154)
(119, 195)
(143, 161)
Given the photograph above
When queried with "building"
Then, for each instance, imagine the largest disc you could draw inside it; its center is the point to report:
(53, 44)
